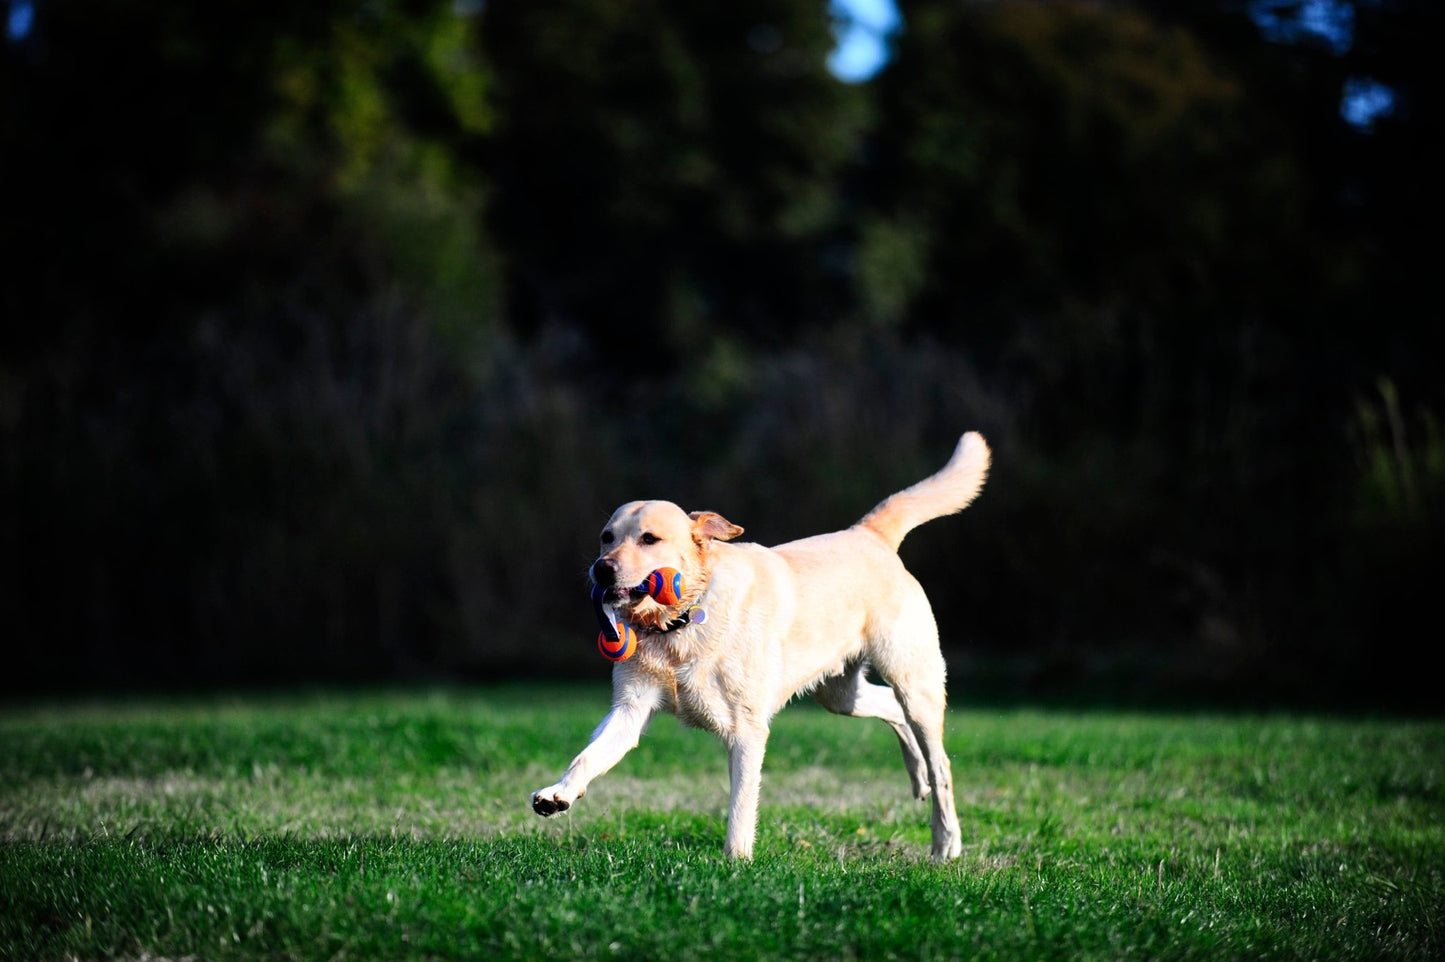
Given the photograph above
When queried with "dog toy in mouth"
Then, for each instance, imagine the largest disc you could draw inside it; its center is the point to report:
(665, 586)
(621, 648)
(617, 640)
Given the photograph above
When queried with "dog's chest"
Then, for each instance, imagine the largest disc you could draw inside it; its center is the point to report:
(701, 703)
(702, 694)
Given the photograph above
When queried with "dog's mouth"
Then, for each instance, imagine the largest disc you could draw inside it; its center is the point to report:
(616, 596)
(622, 595)
(627, 595)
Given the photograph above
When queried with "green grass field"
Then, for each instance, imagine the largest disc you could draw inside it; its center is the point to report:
(397, 826)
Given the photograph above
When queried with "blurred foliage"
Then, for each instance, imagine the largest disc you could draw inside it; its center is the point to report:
(1395, 532)
(664, 174)
(333, 331)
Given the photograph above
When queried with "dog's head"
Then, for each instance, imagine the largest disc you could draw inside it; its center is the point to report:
(642, 536)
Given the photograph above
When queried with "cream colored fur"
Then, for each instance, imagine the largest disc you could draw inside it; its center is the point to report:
(806, 616)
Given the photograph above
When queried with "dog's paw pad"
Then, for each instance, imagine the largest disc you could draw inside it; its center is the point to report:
(547, 807)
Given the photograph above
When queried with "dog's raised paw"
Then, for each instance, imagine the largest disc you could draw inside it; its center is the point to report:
(547, 807)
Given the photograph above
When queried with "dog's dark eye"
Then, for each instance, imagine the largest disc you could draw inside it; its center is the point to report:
(607, 537)
(649, 538)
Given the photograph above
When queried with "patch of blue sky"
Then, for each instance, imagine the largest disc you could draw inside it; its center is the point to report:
(863, 28)
(19, 20)
(1331, 22)
(1365, 101)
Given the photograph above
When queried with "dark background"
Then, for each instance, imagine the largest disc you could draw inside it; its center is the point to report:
(333, 331)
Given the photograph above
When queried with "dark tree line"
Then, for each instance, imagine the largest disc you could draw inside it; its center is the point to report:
(332, 331)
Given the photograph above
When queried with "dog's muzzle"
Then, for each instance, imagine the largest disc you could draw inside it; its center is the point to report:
(604, 572)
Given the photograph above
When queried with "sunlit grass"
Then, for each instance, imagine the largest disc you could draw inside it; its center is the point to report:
(397, 826)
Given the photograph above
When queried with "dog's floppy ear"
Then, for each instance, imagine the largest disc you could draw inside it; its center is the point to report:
(709, 526)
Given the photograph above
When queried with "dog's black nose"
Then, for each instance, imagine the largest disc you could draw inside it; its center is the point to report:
(604, 572)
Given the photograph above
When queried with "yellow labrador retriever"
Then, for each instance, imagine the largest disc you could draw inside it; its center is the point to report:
(757, 626)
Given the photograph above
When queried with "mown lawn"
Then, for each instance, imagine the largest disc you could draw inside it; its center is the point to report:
(396, 826)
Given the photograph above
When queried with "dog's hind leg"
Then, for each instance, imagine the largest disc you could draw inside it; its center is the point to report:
(925, 712)
(912, 664)
(852, 694)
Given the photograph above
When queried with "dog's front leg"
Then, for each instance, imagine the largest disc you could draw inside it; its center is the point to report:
(616, 736)
(745, 768)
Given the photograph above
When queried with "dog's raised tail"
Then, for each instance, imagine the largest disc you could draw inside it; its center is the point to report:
(950, 490)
